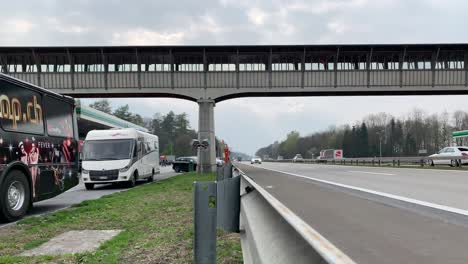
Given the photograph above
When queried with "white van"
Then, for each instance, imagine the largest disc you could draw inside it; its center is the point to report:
(119, 155)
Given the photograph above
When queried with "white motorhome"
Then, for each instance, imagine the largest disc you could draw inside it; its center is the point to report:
(119, 156)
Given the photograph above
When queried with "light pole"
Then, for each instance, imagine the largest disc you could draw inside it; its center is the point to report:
(380, 146)
(380, 143)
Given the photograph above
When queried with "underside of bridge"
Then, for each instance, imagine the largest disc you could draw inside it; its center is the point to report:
(210, 74)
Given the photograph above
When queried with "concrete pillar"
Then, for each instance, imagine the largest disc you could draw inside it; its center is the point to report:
(206, 157)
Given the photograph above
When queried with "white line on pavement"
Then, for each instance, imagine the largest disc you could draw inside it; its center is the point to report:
(388, 195)
(378, 173)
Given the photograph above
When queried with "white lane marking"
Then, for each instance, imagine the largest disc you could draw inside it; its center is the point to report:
(388, 195)
(378, 173)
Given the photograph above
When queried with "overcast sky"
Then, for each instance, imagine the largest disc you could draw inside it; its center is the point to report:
(248, 123)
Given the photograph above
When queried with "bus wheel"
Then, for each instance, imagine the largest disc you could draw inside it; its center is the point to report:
(151, 178)
(89, 186)
(15, 196)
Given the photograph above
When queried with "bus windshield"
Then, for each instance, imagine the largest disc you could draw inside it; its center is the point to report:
(115, 149)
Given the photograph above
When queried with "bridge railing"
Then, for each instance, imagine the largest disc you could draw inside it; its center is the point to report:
(272, 233)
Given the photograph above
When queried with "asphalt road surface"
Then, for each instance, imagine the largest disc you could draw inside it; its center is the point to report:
(79, 193)
(366, 230)
(444, 187)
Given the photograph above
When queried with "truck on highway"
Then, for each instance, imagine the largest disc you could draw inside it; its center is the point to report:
(119, 156)
(38, 146)
(330, 154)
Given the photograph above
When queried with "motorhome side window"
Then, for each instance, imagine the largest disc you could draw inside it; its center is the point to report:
(148, 148)
(20, 109)
(135, 150)
(59, 118)
(139, 143)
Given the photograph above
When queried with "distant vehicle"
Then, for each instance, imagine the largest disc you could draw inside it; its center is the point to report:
(330, 154)
(119, 156)
(219, 162)
(256, 160)
(449, 152)
(239, 159)
(280, 158)
(38, 146)
(298, 158)
(183, 164)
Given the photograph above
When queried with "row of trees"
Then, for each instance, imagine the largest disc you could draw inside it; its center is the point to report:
(174, 131)
(383, 132)
(122, 112)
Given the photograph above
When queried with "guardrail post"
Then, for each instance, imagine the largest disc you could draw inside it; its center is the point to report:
(373, 163)
(398, 163)
(421, 162)
(204, 222)
(351, 162)
(219, 173)
(393, 163)
(460, 163)
(227, 171)
(228, 206)
(380, 162)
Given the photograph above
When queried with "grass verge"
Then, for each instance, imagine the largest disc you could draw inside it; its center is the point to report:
(156, 219)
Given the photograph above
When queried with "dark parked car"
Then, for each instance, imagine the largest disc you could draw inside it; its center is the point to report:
(183, 163)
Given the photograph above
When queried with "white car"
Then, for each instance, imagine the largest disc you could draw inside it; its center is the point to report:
(219, 162)
(298, 158)
(444, 156)
(256, 160)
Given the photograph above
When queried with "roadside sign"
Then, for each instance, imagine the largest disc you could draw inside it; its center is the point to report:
(422, 151)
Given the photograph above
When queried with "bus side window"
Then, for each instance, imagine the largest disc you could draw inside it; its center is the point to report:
(20, 109)
(59, 118)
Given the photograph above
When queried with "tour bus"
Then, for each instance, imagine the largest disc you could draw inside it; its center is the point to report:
(119, 156)
(38, 146)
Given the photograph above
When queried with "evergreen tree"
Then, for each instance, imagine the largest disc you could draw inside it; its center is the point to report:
(102, 105)
(363, 141)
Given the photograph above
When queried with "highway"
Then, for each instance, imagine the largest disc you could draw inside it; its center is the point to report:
(365, 228)
(79, 193)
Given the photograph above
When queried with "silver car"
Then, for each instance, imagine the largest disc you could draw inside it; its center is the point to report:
(449, 156)
(256, 160)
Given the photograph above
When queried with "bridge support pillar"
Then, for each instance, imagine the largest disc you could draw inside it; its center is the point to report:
(206, 130)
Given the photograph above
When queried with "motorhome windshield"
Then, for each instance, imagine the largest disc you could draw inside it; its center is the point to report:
(115, 149)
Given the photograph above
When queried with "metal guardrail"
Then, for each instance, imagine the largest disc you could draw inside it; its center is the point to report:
(271, 233)
(377, 161)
